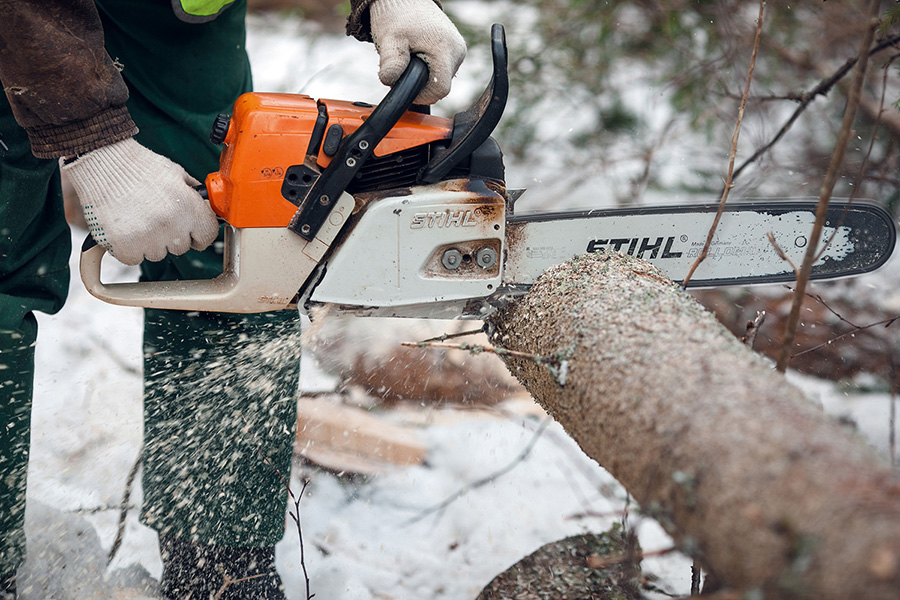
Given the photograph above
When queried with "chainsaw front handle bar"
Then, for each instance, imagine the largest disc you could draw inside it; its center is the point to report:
(473, 127)
(356, 149)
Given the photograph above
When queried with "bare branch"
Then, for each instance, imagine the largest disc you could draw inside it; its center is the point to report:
(753, 328)
(475, 349)
(295, 516)
(781, 253)
(228, 581)
(450, 336)
(862, 168)
(818, 298)
(827, 188)
(885, 322)
(558, 365)
(821, 89)
(734, 143)
(484, 480)
(124, 507)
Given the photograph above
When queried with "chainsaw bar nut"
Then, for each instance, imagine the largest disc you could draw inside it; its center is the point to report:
(486, 258)
(451, 259)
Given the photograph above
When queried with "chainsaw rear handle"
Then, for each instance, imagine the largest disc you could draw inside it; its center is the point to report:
(356, 149)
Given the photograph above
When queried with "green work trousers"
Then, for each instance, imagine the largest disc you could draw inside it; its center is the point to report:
(219, 390)
(34, 275)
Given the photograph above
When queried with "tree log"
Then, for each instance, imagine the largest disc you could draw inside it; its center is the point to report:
(746, 474)
(600, 566)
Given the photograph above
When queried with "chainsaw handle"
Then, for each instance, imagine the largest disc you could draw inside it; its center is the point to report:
(355, 150)
(396, 102)
(473, 127)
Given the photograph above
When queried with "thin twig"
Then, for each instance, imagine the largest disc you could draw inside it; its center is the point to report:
(294, 499)
(478, 349)
(695, 578)
(449, 336)
(557, 365)
(731, 155)
(818, 298)
(295, 516)
(892, 429)
(753, 328)
(885, 322)
(892, 412)
(861, 174)
(837, 158)
(484, 480)
(124, 507)
(228, 581)
(602, 562)
(96, 510)
(590, 514)
(116, 357)
(781, 253)
(821, 89)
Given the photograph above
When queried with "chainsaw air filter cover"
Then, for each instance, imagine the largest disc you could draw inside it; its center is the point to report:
(270, 132)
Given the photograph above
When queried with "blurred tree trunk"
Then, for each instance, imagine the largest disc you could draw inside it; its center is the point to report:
(749, 477)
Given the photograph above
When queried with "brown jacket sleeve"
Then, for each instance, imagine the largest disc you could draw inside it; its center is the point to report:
(63, 87)
(358, 22)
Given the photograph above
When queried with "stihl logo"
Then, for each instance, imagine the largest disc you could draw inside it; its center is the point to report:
(636, 247)
(447, 218)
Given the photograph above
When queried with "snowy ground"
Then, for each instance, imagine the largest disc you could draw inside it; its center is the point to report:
(361, 535)
(361, 539)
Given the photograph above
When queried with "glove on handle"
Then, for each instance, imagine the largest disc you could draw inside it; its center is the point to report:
(404, 27)
(139, 204)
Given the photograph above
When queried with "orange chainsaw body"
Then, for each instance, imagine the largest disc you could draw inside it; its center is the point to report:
(270, 132)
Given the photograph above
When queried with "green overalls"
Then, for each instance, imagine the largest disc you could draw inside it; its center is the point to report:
(217, 441)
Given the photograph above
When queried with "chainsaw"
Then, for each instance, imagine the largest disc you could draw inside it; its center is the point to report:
(390, 211)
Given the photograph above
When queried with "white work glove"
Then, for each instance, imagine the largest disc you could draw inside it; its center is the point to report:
(403, 27)
(139, 204)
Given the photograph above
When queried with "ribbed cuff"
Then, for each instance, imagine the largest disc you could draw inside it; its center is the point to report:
(79, 137)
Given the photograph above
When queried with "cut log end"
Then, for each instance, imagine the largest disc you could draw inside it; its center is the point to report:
(604, 566)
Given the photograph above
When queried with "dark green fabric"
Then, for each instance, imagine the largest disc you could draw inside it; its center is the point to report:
(34, 275)
(34, 238)
(207, 420)
(16, 377)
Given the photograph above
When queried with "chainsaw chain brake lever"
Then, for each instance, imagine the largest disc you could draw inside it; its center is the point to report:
(355, 150)
(474, 126)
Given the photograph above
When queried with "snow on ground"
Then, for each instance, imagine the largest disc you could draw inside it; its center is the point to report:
(362, 537)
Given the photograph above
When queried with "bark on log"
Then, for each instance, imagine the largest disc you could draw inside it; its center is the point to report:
(602, 566)
(766, 491)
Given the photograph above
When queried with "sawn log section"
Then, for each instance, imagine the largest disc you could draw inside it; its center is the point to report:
(741, 469)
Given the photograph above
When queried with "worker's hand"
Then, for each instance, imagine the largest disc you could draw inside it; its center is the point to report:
(139, 204)
(403, 27)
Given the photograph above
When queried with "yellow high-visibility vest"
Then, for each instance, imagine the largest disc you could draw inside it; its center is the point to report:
(199, 11)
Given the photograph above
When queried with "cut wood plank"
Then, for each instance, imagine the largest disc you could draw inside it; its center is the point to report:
(348, 438)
